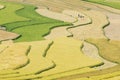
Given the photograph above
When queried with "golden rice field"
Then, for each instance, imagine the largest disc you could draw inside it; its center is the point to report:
(59, 40)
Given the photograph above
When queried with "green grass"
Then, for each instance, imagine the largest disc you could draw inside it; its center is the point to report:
(36, 23)
(112, 4)
(7, 15)
(35, 32)
(29, 12)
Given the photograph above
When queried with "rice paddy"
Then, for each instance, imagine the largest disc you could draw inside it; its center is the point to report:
(59, 40)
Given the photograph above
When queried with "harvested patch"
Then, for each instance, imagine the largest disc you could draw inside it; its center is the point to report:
(93, 30)
(4, 35)
(113, 30)
(2, 6)
(58, 32)
(55, 15)
(7, 42)
(14, 57)
(107, 49)
(81, 18)
(91, 51)
(53, 5)
(62, 31)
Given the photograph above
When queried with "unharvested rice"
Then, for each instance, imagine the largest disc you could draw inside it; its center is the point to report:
(112, 30)
(61, 52)
(3, 47)
(55, 76)
(107, 47)
(108, 76)
(113, 75)
(14, 57)
(37, 60)
(107, 8)
(113, 78)
(68, 73)
(7, 42)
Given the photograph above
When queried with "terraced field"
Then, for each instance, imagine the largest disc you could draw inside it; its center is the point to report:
(59, 40)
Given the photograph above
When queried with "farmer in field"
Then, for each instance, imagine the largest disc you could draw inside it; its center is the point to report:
(80, 16)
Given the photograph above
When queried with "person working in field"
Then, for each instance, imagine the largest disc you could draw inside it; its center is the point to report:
(80, 16)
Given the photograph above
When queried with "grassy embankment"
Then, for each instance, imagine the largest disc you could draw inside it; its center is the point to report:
(111, 3)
